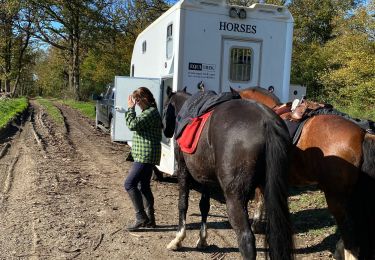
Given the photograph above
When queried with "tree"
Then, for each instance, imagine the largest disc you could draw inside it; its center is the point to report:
(68, 26)
(349, 78)
(111, 54)
(8, 15)
(315, 21)
(15, 25)
(52, 73)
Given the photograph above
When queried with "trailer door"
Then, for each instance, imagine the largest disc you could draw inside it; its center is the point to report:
(124, 86)
(240, 64)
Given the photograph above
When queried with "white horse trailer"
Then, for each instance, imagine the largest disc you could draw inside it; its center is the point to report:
(212, 43)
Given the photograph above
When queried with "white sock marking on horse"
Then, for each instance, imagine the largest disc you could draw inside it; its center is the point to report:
(349, 255)
(202, 241)
(343, 254)
(339, 252)
(180, 236)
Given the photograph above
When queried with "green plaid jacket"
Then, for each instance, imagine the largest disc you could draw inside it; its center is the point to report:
(146, 127)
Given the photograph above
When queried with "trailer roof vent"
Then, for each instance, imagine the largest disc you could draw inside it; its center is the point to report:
(242, 13)
(233, 12)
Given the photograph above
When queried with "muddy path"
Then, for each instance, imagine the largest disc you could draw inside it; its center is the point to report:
(62, 197)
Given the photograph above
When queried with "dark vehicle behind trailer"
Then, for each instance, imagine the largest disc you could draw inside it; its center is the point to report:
(104, 108)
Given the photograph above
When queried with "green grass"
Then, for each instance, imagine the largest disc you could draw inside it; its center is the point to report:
(10, 108)
(51, 110)
(86, 108)
(310, 215)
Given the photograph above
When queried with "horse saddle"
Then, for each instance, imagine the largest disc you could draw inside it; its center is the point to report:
(298, 109)
(189, 137)
(295, 114)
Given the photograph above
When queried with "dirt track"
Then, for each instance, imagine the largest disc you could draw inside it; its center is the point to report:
(62, 197)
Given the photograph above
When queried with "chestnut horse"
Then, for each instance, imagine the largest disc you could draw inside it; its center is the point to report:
(339, 157)
(243, 145)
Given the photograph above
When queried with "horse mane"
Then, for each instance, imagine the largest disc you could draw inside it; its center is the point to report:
(265, 92)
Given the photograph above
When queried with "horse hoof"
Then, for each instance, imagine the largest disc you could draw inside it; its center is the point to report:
(201, 244)
(173, 246)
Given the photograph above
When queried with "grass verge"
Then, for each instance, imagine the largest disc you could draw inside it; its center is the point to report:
(51, 110)
(10, 108)
(86, 108)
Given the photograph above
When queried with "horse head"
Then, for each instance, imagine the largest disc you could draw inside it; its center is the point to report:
(172, 106)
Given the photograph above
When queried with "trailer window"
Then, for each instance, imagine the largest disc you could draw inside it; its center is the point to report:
(169, 45)
(240, 64)
(144, 46)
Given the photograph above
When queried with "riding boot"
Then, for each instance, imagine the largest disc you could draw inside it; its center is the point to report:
(148, 202)
(151, 217)
(141, 218)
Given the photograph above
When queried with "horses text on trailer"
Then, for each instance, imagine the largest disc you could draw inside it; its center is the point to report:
(211, 43)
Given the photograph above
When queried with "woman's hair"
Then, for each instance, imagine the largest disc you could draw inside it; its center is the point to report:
(145, 95)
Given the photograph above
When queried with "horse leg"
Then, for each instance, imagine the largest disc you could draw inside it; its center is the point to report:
(183, 203)
(339, 252)
(259, 216)
(204, 206)
(239, 220)
(345, 246)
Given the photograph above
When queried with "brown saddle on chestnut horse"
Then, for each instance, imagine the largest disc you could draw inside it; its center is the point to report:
(295, 114)
(301, 111)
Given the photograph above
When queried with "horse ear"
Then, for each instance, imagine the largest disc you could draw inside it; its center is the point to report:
(233, 90)
(184, 89)
(169, 91)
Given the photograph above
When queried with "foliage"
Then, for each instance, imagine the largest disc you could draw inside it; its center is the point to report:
(349, 79)
(106, 48)
(51, 110)
(87, 43)
(52, 74)
(15, 46)
(307, 61)
(86, 108)
(103, 63)
(10, 108)
(68, 25)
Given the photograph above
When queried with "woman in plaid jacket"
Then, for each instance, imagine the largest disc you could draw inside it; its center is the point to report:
(146, 151)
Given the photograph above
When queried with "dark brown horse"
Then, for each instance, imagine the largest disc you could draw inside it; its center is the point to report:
(243, 145)
(339, 157)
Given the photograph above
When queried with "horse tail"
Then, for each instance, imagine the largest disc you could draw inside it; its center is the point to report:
(362, 210)
(362, 203)
(278, 232)
(368, 149)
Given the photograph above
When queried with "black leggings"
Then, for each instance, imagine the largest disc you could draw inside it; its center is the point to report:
(139, 179)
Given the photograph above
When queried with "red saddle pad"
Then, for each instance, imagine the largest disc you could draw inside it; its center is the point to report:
(189, 138)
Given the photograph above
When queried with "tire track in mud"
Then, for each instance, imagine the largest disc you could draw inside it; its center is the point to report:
(14, 210)
(91, 143)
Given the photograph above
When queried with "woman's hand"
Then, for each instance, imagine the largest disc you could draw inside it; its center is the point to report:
(131, 102)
